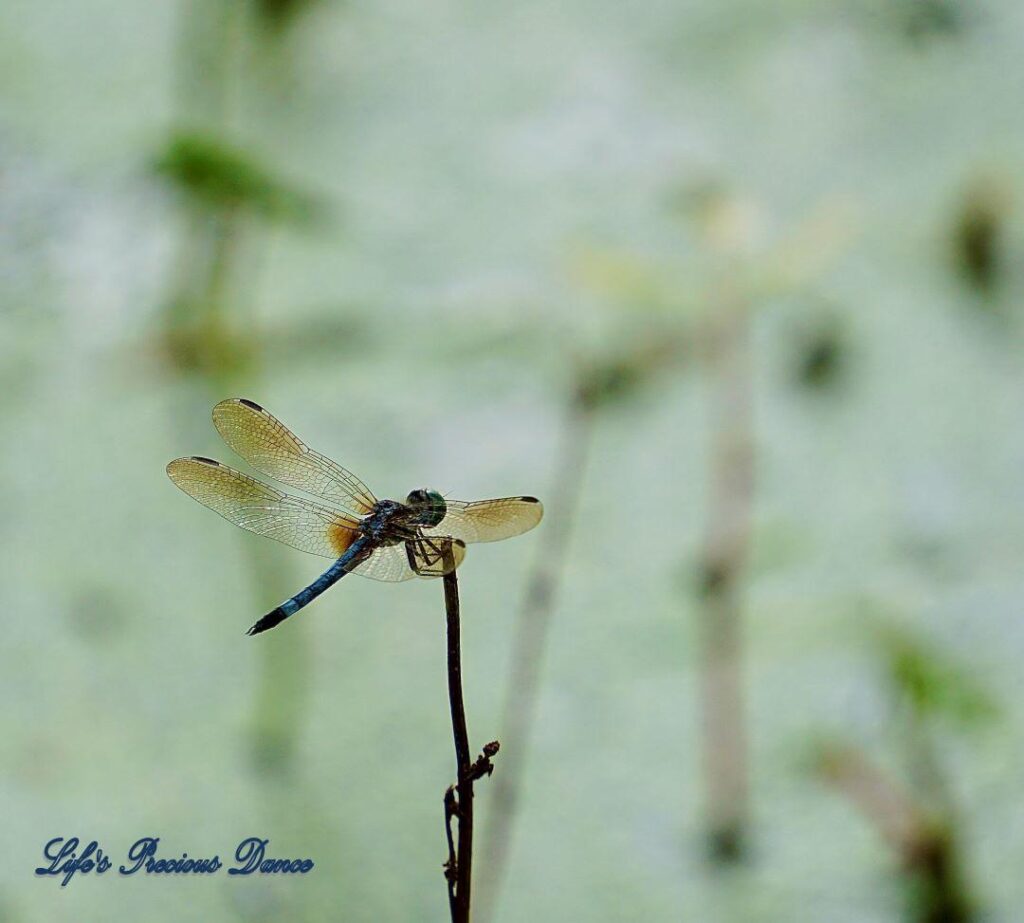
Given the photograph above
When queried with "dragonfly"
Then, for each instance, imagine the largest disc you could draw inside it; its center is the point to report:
(424, 536)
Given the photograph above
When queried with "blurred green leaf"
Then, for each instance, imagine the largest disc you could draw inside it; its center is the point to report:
(932, 682)
(928, 19)
(223, 177)
(280, 14)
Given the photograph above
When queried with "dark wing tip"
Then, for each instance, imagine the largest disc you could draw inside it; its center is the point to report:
(222, 406)
(268, 621)
(529, 499)
(206, 461)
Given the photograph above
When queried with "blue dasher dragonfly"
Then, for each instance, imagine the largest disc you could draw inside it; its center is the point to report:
(426, 536)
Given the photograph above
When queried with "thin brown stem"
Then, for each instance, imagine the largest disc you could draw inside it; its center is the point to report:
(726, 543)
(459, 878)
(529, 645)
(458, 799)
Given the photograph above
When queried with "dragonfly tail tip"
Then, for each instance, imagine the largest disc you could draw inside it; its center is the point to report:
(268, 621)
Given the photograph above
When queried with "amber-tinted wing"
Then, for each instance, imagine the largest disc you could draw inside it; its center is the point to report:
(263, 509)
(269, 446)
(489, 520)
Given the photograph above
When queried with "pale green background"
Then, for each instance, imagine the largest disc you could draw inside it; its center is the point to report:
(468, 153)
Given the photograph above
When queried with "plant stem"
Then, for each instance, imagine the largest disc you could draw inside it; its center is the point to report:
(209, 325)
(927, 842)
(726, 544)
(895, 815)
(530, 642)
(460, 877)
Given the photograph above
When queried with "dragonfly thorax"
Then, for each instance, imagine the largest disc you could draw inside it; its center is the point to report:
(430, 506)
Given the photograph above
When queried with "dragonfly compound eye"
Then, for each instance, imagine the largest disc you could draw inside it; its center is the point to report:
(430, 504)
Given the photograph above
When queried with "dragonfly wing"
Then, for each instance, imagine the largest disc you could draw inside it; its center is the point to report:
(422, 557)
(489, 520)
(269, 446)
(387, 562)
(263, 509)
(434, 556)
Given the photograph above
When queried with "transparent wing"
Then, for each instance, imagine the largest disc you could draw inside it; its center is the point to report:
(418, 558)
(269, 446)
(489, 520)
(263, 509)
(389, 563)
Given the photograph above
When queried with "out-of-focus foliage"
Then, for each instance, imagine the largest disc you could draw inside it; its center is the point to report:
(279, 14)
(820, 352)
(923, 20)
(221, 176)
(616, 378)
(930, 681)
(979, 231)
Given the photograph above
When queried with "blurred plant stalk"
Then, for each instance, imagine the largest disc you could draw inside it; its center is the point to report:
(679, 321)
(745, 273)
(522, 686)
(726, 547)
(213, 350)
(727, 227)
(926, 843)
(598, 384)
(208, 332)
(919, 821)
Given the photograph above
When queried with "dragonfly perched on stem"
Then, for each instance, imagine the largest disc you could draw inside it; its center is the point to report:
(426, 536)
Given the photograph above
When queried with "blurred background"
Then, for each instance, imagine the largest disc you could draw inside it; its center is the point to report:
(733, 287)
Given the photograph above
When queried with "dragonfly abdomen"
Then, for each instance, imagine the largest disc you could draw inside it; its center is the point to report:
(304, 597)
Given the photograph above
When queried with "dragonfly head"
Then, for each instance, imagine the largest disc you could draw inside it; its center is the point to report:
(429, 504)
